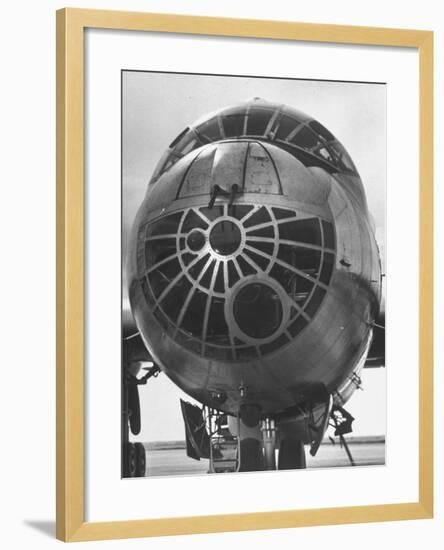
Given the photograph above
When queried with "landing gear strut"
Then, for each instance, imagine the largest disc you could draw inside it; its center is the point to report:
(291, 454)
(133, 454)
(268, 429)
(242, 443)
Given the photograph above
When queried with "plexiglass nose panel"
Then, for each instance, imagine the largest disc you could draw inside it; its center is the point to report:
(209, 273)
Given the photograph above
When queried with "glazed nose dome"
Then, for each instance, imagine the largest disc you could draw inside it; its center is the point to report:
(235, 283)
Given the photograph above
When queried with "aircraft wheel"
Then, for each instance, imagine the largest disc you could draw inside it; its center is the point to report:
(291, 455)
(134, 408)
(251, 457)
(129, 460)
(141, 460)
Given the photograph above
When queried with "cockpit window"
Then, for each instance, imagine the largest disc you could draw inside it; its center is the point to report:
(178, 138)
(305, 138)
(342, 157)
(258, 120)
(286, 126)
(321, 130)
(210, 130)
(324, 153)
(188, 144)
(233, 125)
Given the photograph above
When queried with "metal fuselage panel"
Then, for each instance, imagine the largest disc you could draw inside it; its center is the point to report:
(330, 348)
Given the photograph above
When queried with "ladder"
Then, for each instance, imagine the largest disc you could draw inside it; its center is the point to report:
(224, 446)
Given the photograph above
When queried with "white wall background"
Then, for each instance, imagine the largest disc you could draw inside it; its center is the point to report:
(27, 123)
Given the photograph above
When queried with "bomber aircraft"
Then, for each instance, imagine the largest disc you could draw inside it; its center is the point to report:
(255, 285)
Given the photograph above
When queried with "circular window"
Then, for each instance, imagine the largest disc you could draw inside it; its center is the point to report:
(196, 240)
(257, 310)
(225, 238)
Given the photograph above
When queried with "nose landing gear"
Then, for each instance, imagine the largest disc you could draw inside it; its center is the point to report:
(291, 454)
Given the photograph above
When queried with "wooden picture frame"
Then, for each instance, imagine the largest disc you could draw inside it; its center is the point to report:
(71, 24)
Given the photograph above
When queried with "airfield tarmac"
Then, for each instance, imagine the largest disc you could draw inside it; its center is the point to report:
(170, 459)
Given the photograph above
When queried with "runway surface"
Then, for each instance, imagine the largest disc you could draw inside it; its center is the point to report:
(170, 459)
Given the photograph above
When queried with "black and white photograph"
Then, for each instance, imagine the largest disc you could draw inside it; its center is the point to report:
(253, 274)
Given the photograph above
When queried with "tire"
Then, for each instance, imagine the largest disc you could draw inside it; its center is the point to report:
(134, 408)
(129, 460)
(251, 456)
(141, 460)
(291, 455)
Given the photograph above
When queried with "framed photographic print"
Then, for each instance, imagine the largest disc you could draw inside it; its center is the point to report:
(244, 255)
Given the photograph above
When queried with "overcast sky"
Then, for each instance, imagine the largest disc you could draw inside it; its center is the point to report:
(158, 106)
